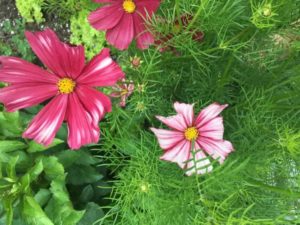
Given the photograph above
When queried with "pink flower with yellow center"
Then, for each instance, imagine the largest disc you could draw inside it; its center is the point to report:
(68, 81)
(124, 20)
(192, 139)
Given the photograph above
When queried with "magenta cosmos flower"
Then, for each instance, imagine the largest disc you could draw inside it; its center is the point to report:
(68, 82)
(205, 133)
(124, 20)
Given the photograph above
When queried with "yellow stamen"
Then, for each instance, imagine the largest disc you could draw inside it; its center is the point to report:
(124, 92)
(129, 6)
(66, 85)
(191, 133)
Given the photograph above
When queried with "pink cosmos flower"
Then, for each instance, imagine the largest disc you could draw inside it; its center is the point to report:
(205, 133)
(123, 91)
(68, 82)
(124, 20)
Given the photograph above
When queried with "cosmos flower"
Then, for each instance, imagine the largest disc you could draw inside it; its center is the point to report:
(125, 20)
(123, 91)
(68, 82)
(204, 133)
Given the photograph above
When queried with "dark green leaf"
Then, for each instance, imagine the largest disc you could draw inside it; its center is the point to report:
(92, 214)
(80, 174)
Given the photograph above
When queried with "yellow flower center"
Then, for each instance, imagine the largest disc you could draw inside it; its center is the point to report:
(66, 85)
(191, 133)
(124, 92)
(129, 6)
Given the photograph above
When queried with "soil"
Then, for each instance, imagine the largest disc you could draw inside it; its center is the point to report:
(9, 11)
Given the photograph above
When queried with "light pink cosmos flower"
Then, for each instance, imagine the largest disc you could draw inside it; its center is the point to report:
(123, 91)
(124, 20)
(68, 82)
(205, 133)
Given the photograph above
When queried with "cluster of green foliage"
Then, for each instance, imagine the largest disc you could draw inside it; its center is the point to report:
(14, 42)
(249, 58)
(83, 34)
(37, 182)
(31, 10)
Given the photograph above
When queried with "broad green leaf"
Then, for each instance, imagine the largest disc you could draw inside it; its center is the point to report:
(11, 168)
(53, 169)
(60, 208)
(92, 214)
(35, 147)
(33, 214)
(67, 158)
(81, 174)
(87, 194)
(31, 175)
(43, 196)
(9, 146)
(9, 124)
(8, 206)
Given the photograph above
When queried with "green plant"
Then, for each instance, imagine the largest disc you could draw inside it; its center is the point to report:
(31, 10)
(83, 34)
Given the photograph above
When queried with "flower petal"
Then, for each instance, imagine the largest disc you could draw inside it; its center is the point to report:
(95, 103)
(176, 122)
(60, 58)
(167, 138)
(101, 71)
(187, 110)
(14, 70)
(143, 37)
(179, 153)
(47, 122)
(213, 129)
(106, 17)
(209, 113)
(200, 165)
(218, 149)
(122, 34)
(81, 127)
(147, 7)
(19, 96)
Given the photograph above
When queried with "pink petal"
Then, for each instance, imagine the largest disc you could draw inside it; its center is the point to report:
(95, 103)
(123, 101)
(122, 34)
(213, 129)
(176, 122)
(201, 163)
(106, 17)
(60, 58)
(167, 138)
(143, 37)
(116, 94)
(19, 96)
(101, 71)
(218, 149)
(187, 111)
(14, 70)
(48, 121)
(146, 7)
(81, 127)
(209, 113)
(179, 153)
